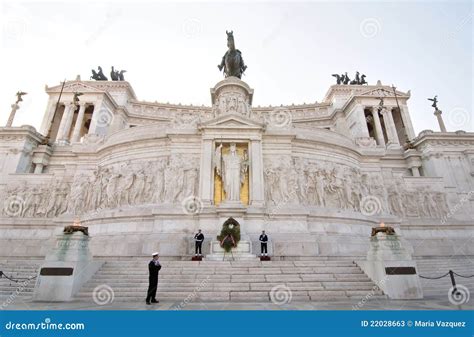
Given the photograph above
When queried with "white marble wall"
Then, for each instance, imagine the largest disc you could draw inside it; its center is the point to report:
(315, 191)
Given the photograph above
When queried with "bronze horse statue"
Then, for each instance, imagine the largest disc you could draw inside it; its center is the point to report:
(232, 61)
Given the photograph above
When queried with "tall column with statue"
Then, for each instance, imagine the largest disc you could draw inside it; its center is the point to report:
(15, 107)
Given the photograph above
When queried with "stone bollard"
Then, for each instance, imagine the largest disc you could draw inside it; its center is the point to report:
(66, 268)
(390, 265)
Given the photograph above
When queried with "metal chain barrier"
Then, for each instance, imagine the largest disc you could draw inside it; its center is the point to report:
(434, 278)
(17, 279)
(451, 275)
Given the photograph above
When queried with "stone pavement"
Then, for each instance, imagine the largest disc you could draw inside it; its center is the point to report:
(439, 303)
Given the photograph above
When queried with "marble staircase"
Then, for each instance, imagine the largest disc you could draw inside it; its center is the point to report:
(317, 279)
(314, 280)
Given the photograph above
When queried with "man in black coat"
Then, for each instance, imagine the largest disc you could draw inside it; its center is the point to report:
(198, 238)
(153, 268)
(263, 243)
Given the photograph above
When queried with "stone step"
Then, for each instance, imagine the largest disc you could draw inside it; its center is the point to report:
(9, 271)
(225, 264)
(241, 296)
(128, 282)
(10, 291)
(254, 285)
(233, 280)
(236, 271)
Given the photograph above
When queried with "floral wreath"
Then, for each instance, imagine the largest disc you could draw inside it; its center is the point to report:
(230, 234)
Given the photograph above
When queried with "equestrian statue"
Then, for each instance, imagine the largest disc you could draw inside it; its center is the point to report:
(232, 62)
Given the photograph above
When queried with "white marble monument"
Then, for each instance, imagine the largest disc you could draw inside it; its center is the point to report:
(144, 176)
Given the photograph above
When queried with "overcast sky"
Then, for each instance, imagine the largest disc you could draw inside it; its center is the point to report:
(171, 50)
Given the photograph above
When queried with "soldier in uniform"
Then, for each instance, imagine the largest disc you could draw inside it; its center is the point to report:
(153, 268)
(198, 238)
(263, 244)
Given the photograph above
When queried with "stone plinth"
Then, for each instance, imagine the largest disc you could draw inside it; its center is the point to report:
(243, 251)
(390, 266)
(66, 268)
(232, 95)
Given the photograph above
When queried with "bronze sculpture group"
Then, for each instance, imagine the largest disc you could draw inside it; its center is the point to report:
(115, 75)
(232, 64)
(344, 79)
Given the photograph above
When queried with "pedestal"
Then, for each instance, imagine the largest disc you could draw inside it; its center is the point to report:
(65, 269)
(391, 267)
(243, 252)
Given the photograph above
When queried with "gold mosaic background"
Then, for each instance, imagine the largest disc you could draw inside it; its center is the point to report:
(219, 193)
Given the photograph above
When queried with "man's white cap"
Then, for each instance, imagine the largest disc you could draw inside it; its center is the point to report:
(155, 254)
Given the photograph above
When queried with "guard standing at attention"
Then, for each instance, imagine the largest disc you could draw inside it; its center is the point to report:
(198, 238)
(263, 244)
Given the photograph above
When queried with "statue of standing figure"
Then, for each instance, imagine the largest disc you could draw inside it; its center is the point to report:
(232, 169)
(232, 61)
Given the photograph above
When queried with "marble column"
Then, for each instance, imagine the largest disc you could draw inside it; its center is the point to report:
(390, 127)
(364, 130)
(48, 117)
(39, 168)
(206, 172)
(15, 107)
(79, 122)
(407, 122)
(442, 127)
(415, 170)
(66, 121)
(95, 116)
(378, 126)
(257, 196)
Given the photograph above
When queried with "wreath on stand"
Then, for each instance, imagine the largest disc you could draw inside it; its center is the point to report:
(230, 234)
